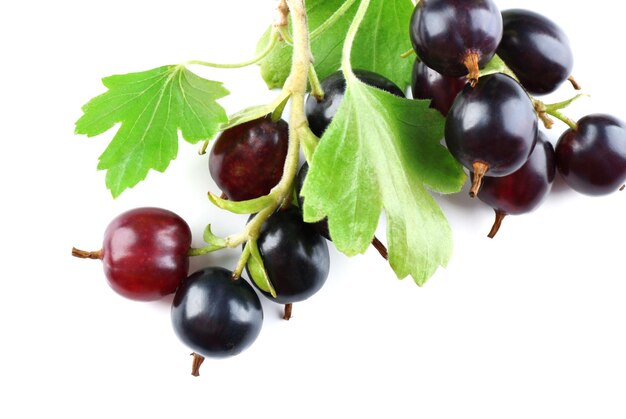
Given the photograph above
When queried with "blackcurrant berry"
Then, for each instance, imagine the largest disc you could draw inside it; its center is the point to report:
(536, 49)
(295, 256)
(456, 37)
(592, 158)
(523, 190)
(247, 160)
(144, 253)
(441, 90)
(215, 315)
(320, 113)
(491, 128)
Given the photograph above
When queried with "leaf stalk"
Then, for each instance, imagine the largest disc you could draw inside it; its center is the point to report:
(274, 38)
(332, 19)
(346, 66)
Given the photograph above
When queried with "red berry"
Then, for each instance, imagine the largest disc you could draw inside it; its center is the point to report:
(144, 253)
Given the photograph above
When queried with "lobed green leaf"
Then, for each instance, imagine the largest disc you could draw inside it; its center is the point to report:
(382, 152)
(152, 106)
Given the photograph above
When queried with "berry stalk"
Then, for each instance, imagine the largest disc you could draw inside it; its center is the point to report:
(83, 254)
(195, 365)
(544, 111)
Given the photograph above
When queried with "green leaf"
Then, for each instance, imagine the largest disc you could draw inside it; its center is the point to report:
(275, 67)
(326, 48)
(382, 38)
(258, 111)
(385, 36)
(213, 243)
(213, 240)
(250, 206)
(257, 269)
(496, 65)
(309, 142)
(151, 107)
(382, 152)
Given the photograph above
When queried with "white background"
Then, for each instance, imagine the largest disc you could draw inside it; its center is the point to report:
(529, 325)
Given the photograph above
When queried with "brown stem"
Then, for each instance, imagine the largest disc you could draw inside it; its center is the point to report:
(547, 121)
(195, 365)
(497, 224)
(378, 245)
(540, 108)
(282, 17)
(574, 83)
(82, 254)
(288, 310)
(480, 169)
(470, 61)
(622, 188)
(223, 196)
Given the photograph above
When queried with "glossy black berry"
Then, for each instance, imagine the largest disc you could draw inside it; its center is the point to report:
(456, 37)
(491, 128)
(523, 190)
(214, 315)
(592, 158)
(295, 256)
(320, 113)
(426, 83)
(536, 49)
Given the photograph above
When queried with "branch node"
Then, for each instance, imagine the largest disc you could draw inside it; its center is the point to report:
(282, 15)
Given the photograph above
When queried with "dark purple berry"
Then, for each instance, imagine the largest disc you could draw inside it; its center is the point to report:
(441, 90)
(536, 49)
(456, 37)
(592, 158)
(491, 128)
(247, 160)
(523, 190)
